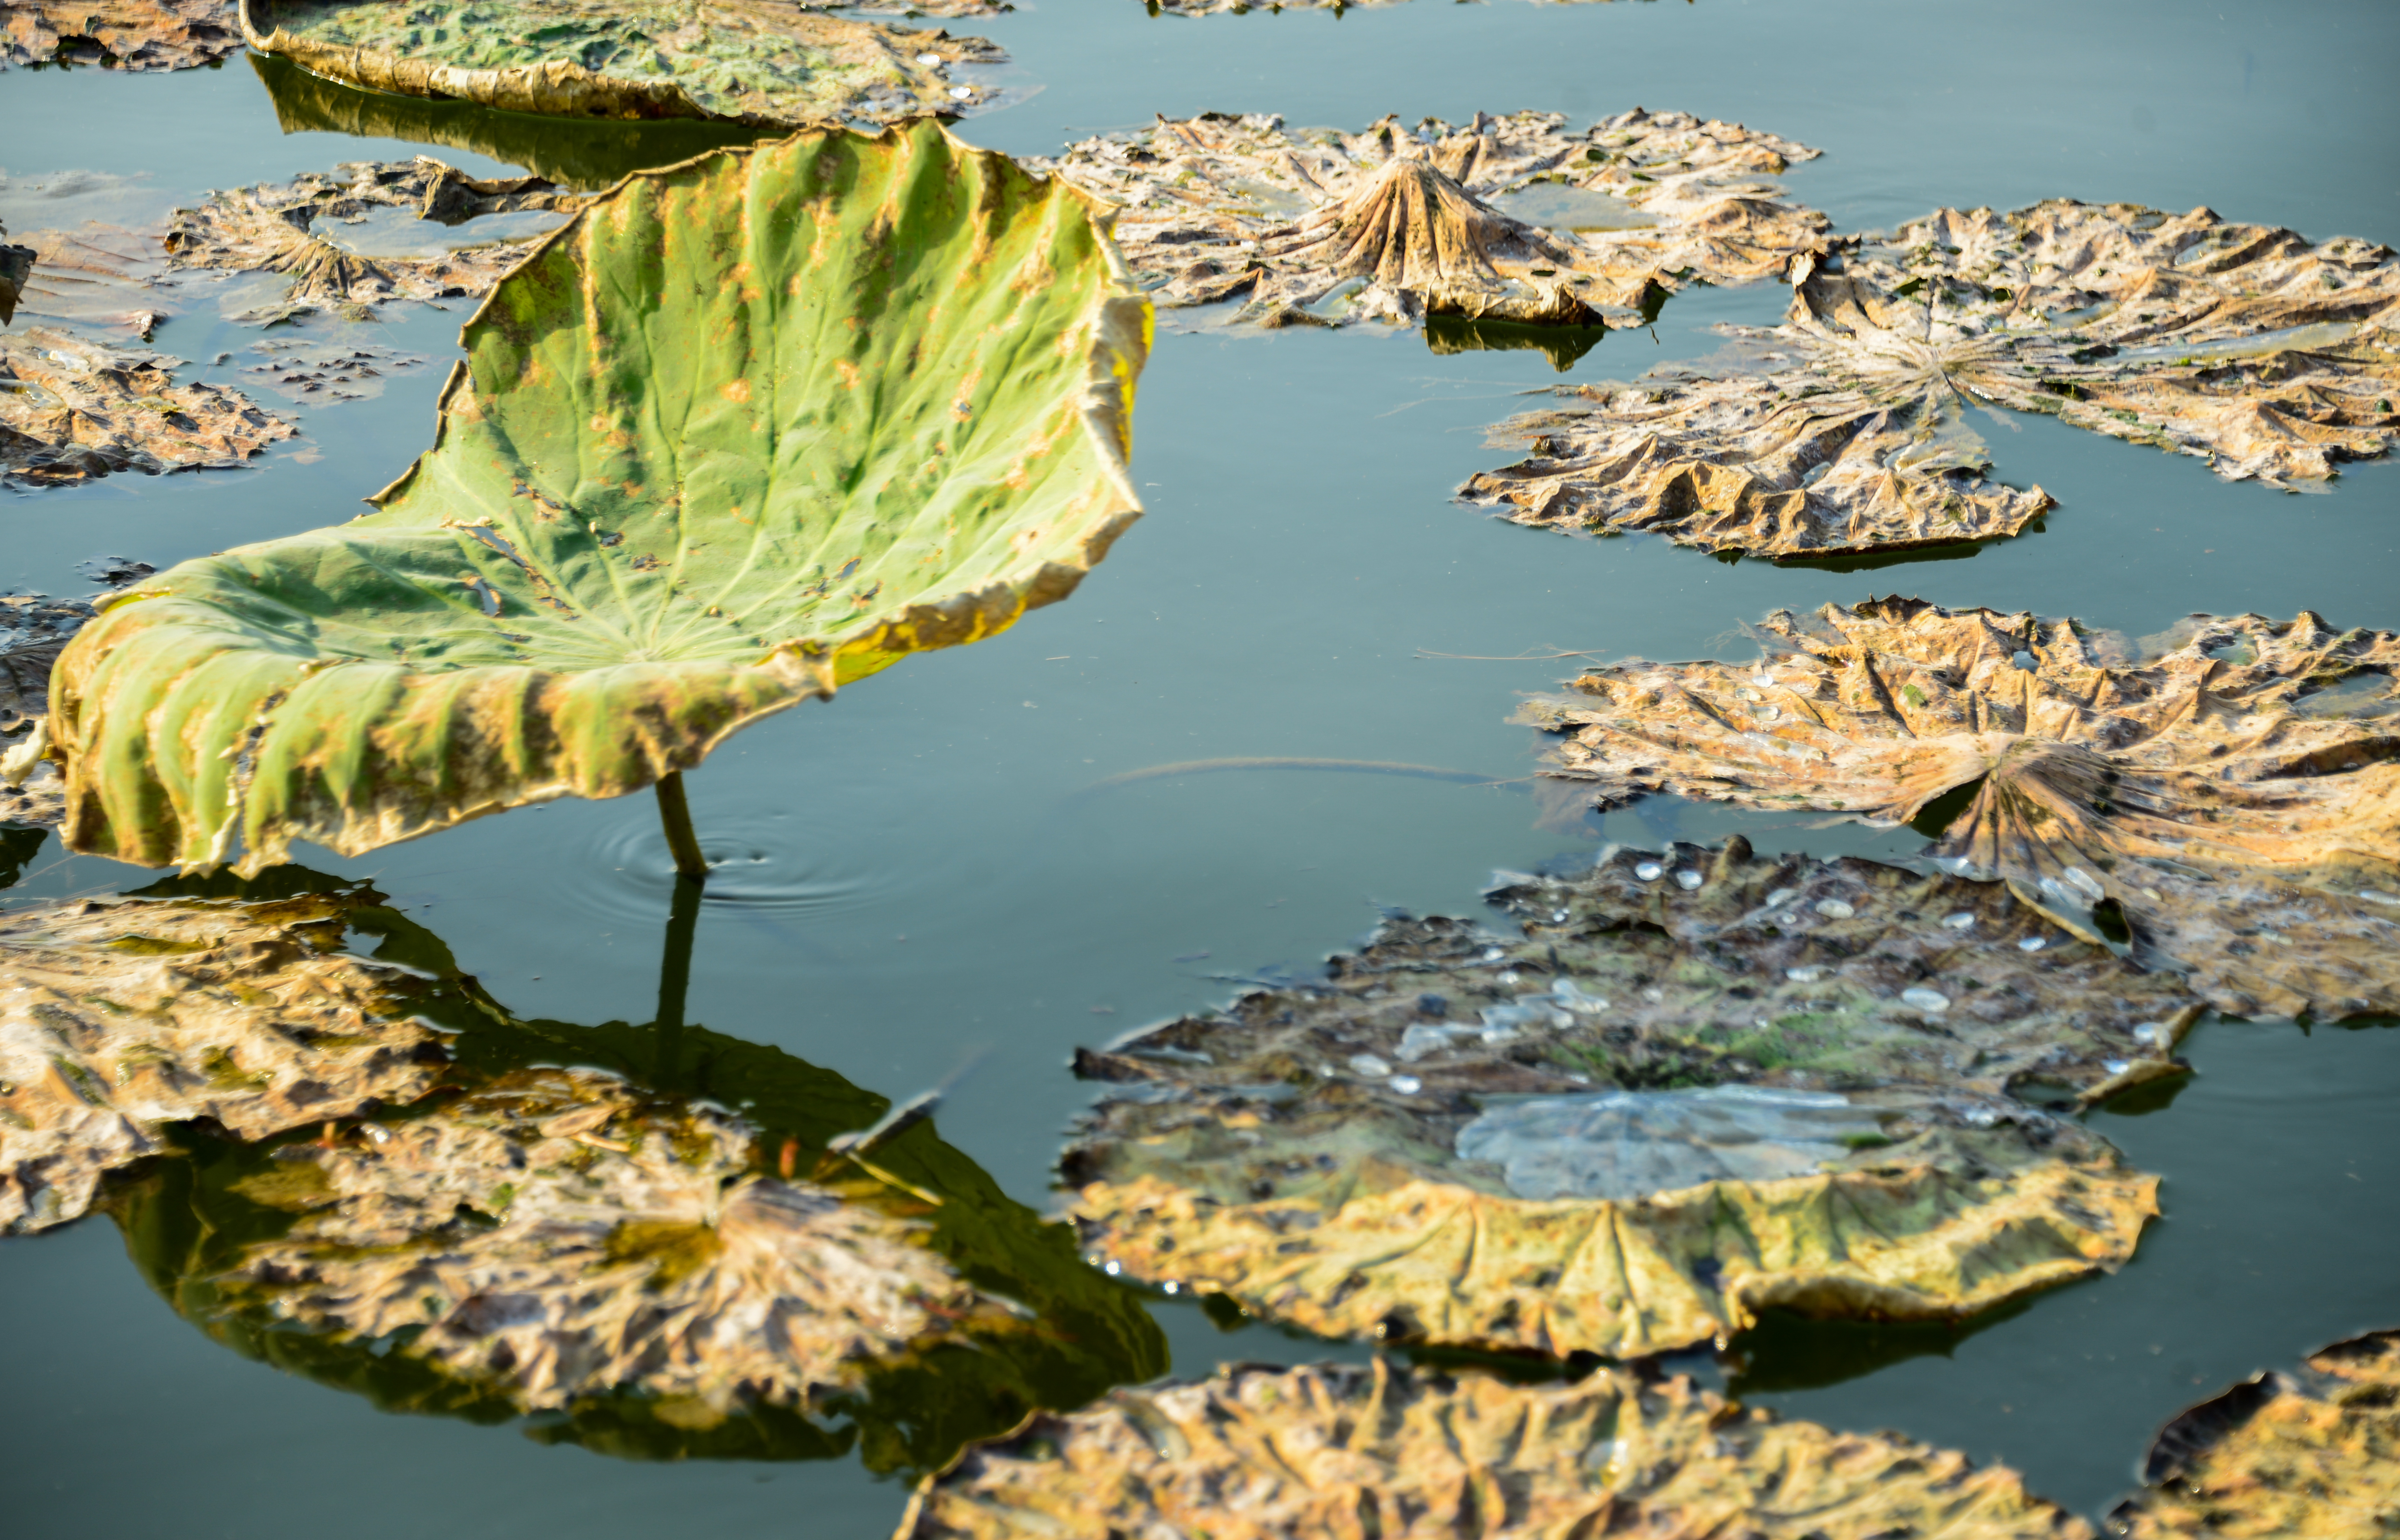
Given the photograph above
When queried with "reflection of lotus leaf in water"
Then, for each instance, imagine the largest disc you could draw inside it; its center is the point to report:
(373, 231)
(2310, 1456)
(124, 1018)
(1218, 207)
(129, 34)
(596, 576)
(776, 62)
(1845, 430)
(2181, 798)
(1259, 1454)
(1629, 1144)
(1427, 1145)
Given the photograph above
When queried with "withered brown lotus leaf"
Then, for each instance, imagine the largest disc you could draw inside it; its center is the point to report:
(35, 629)
(120, 1018)
(1315, 226)
(1847, 428)
(1699, 1085)
(780, 63)
(2224, 803)
(559, 1235)
(1260, 1453)
(129, 34)
(430, 231)
(2306, 1455)
(97, 276)
(72, 407)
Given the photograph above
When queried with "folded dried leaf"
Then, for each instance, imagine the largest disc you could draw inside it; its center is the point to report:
(73, 408)
(1698, 1085)
(2225, 803)
(1846, 427)
(122, 1017)
(129, 34)
(2310, 1454)
(1258, 1453)
(774, 63)
(373, 231)
(1508, 218)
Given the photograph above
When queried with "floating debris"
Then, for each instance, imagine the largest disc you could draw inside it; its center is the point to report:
(34, 629)
(1638, 1125)
(1260, 1453)
(72, 408)
(125, 34)
(1846, 428)
(774, 63)
(640, 603)
(15, 268)
(317, 370)
(2307, 1454)
(2222, 801)
(373, 231)
(122, 1017)
(1320, 228)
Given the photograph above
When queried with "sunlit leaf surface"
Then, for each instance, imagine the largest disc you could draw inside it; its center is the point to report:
(129, 34)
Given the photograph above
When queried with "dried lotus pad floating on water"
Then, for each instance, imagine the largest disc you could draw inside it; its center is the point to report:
(2223, 801)
(1662, 1110)
(1259, 1454)
(2302, 1455)
(770, 62)
(126, 34)
(72, 407)
(1847, 428)
(121, 1017)
(1505, 218)
(372, 231)
(596, 576)
(610, 1241)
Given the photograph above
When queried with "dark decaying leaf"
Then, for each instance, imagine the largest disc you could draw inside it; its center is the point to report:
(33, 630)
(1259, 1453)
(127, 34)
(72, 407)
(2222, 801)
(122, 1017)
(1846, 428)
(752, 427)
(372, 231)
(774, 63)
(2309, 1455)
(1509, 218)
(1697, 1086)
(16, 269)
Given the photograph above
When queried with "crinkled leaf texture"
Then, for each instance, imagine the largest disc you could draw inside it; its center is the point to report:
(2310, 1456)
(750, 427)
(1260, 1453)
(73, 408)
(134, 34)
(2222, 801)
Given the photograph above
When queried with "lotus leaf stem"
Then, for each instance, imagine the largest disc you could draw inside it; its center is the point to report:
(674, 812)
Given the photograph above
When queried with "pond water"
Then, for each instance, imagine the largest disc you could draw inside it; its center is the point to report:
(951, 876)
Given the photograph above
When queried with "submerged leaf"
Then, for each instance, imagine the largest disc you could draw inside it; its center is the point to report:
(96, 276)
(777, 63)
(122, 1017)
(1668, 1105)
(127, 34)
(1259, 1453)
(2305, 1455)
(375, 231)
(1846, 428)
(750, 428)
(2225, 804)
(72, 408)
(1506, 218)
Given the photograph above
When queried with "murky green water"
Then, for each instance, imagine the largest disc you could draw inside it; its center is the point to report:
(929, 885)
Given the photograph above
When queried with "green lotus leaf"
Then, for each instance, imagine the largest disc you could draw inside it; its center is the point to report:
(749, 428)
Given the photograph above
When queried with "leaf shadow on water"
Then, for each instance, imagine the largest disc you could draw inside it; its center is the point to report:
(187, 1221)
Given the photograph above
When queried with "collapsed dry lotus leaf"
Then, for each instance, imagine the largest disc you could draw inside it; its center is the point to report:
(1847, 428)
(1506, 218)
(2225, 802)
(1261, 1453)
(97, 276)
(2310, 1456)
(372, 231)
(72, 407)
(320, 368)
(700, 465)
(560, 1235)
(1661, 1110)
(127, 34)
(774, 62)
(124, 1017)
